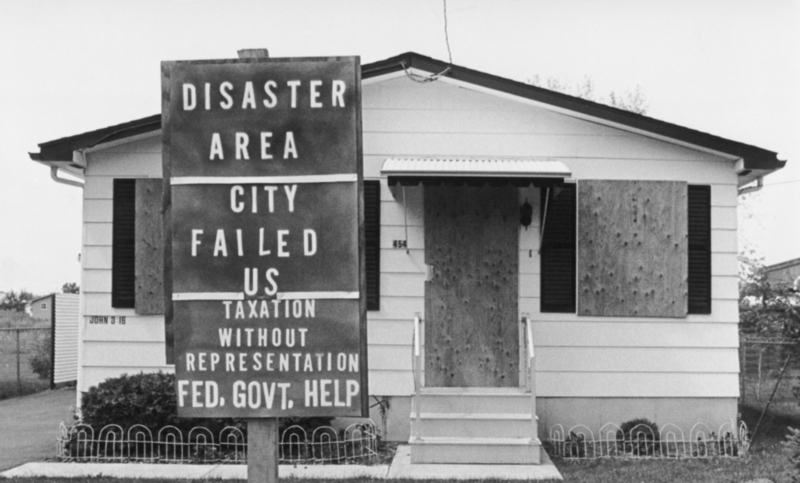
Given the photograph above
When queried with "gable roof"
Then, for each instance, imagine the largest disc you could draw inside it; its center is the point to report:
(753, 158)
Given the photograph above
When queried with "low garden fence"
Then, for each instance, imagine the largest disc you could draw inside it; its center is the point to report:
(642, 441)
(356, 444)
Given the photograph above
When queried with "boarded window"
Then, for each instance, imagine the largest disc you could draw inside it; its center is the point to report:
(123, 259)
(632, 248)
(558, 249)
(372, 246)
(137, 246)
(699, 249)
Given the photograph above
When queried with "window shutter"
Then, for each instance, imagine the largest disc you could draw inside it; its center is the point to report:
(699, 249)
(123, 259)
(558, 250)
(372, 235)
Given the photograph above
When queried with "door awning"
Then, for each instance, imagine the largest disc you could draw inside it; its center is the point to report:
(474, 172)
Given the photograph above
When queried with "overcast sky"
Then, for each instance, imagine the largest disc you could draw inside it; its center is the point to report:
(727, 67)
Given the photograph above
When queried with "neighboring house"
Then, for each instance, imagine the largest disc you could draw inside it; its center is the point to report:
(41, 308)
(487, 201)
(786, 273)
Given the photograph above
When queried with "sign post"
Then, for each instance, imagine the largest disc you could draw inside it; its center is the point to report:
(264, 213)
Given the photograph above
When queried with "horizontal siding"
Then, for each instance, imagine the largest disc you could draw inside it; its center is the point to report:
(394, 94)
(723, 217)
(144, 165)
(397, 260)
(100, 304)
(98, 211)
(607, 333)
(136, 329)
(390, 358)
(476, 121)
(394, 308)
(96, 257)
(530, 145)
(416, 236)
(722, 312)
(390, 332)
(391, 383)
(97, 281)
(123, 354)
(98, 234)
(67, 321)
(622, 384)
(636, 359)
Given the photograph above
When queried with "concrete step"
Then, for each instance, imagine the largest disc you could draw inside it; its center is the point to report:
(473, 425)
(475, 400)
(448, 450)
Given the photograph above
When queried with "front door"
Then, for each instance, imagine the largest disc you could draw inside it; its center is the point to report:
(471, 318)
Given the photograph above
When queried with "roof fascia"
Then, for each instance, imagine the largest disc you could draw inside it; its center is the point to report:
(755, 158)
(121, 141)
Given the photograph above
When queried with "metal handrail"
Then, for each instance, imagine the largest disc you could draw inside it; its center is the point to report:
(526, 320)
(416, 362)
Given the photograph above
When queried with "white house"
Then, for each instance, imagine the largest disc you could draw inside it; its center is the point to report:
(494, 210)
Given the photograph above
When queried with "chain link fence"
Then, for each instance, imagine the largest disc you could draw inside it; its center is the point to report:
(25, 355)
(761, 363)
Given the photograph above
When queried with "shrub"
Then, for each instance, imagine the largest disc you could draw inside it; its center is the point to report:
(150, 400)
(792, 444)
(638, 437)
(146, 399)
(40, 360)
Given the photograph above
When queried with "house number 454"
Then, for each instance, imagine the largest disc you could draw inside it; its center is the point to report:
(400, 244)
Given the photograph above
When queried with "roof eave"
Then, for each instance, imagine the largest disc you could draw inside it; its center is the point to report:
(754, 158)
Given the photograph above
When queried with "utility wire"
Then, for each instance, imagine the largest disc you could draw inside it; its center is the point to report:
(434, 77)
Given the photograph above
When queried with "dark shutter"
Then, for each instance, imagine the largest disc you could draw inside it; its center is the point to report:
(372, 235)
(558, 249)
(123, 259)
(699, 249)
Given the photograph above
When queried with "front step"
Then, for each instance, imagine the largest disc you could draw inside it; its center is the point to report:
(474, 426)
(468, 425)
(509, 451)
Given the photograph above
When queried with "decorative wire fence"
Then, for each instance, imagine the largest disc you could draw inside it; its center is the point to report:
(761, 362)
(356, 444)
(641, 441)
(22, 351)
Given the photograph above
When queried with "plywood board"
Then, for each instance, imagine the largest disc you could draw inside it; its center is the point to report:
(149, 248)
(471, 329)
(632, 248)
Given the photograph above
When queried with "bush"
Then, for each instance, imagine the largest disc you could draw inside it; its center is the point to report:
(146, 399)
(638, 437)
(40, 360)
(150, 400)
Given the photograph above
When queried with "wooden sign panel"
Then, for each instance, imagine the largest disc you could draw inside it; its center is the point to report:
(264, 161)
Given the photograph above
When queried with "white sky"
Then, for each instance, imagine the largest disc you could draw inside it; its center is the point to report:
(728, 67)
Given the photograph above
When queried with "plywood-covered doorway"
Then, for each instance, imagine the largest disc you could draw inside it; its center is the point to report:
(471, 327)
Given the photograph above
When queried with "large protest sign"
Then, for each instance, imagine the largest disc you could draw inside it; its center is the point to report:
(264, 164)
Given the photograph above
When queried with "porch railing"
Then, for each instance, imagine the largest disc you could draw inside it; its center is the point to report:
(416, 362)
(531, 366)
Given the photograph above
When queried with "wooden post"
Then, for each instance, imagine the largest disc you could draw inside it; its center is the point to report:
(262, 450)
(19, 356)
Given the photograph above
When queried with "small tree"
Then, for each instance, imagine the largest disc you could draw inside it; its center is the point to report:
(633, 101)
(16, 301)
(70, 287)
